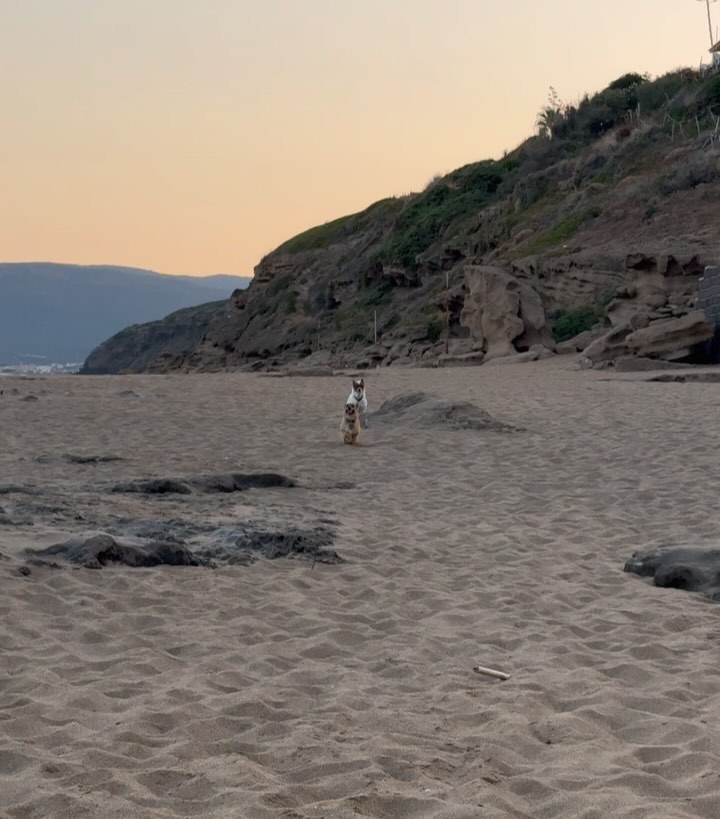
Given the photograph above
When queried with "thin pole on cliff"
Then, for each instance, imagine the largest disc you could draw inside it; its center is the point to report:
(375, 324)
(447, 312)
(710, 23)
(707, 4)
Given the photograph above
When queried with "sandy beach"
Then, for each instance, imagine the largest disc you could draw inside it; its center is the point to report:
(298, 688)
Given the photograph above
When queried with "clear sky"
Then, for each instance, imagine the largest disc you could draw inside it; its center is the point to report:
(194, 136)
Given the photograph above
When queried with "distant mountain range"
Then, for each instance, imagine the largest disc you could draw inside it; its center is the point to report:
(57, 313)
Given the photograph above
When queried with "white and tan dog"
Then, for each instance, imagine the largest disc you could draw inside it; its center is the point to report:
(350, 424)
(359, 398)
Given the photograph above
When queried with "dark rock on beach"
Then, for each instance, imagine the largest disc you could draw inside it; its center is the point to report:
(76, 459)
(153, 486)
(695, 570)
(243, 543)
(97, 549)
(10, 519)
(426, 410)
(705, 377)
(16, 489)
(212, 483)
(239, 481)
(155, 543)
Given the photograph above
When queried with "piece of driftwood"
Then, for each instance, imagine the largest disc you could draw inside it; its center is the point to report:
(491, 672)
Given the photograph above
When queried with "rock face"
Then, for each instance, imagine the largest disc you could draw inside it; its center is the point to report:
(669, 339)
(672, 339)
(581, 341)
(613, 344)
(662, 285)
(536, 353)
(460, 360)
(136, 348)
(493, 313)
(502, 313)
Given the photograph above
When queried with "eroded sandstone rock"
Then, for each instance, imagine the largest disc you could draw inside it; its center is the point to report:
(502, 312)
(671, 339)
(613, 344)
(578, 343)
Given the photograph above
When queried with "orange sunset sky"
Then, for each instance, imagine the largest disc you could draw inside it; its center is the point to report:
(194, 136)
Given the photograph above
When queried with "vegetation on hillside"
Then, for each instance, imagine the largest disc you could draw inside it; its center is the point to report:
(683, 94)
(590, 182)
(343, 228)
(607, 151)
(684, 97)
(568, 323)
(430, 214)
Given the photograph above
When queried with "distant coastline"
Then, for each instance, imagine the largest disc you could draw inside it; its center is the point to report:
(54, 315)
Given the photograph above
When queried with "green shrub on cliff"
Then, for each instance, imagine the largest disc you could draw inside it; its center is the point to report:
(343, 228)
(434, 330)
(428, 215)
(560, 232)
(568, 323)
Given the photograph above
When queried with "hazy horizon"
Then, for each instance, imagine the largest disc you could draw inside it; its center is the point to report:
(193, 138)
(204, 275)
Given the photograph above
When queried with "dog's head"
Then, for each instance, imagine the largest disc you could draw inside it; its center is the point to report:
(350, 411)
(358, 388)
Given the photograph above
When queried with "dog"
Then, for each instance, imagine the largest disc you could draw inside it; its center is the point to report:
(350, 424)
(358, 396)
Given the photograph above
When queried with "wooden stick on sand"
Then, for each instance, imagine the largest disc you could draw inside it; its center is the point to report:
(491, 672)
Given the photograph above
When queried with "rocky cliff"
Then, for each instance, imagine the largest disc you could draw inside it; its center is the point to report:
(137, 347)
(605, 221)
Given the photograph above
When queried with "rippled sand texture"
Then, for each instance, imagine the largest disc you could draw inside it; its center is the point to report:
(290, 690)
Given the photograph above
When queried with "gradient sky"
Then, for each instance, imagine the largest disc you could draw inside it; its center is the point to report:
(194, 136)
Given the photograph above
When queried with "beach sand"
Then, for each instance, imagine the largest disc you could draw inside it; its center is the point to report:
(292, 689)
